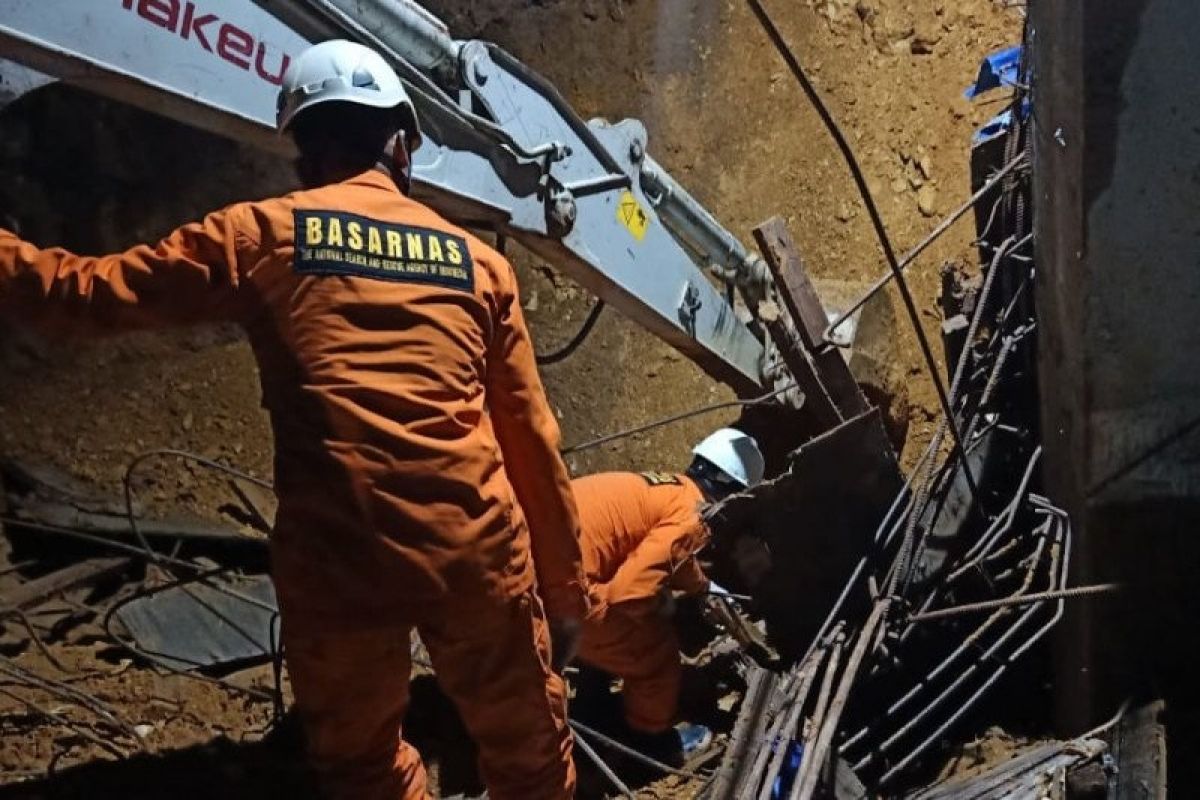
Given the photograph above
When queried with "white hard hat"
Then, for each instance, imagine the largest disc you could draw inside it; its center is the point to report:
(734, 453)
(343, 71)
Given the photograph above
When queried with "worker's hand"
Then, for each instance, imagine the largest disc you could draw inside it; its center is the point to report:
(564, 641)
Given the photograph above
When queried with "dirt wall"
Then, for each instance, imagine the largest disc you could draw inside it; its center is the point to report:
(723, 116)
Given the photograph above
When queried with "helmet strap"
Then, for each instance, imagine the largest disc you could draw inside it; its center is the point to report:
(713, 482)
(399, 162)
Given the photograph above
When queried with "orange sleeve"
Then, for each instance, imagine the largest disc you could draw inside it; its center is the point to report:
(665, 556)
(190, 276)
(529, 441)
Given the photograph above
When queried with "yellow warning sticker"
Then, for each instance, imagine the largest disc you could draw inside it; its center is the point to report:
(631, 215)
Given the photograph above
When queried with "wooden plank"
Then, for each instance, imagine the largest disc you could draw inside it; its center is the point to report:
(72, 577)
(804, 306)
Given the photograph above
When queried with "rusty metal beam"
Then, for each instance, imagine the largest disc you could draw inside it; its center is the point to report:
(804, 306)
(819, 405)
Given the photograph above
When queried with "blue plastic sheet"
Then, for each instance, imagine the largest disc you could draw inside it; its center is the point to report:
(1001, 68)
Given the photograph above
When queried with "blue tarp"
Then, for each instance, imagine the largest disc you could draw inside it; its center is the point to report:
(1001, 68)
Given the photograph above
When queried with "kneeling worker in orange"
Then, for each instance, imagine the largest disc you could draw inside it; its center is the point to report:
(401, 385)
(640, 534)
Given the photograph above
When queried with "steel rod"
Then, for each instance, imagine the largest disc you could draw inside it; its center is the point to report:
(1058, 594)
(929, 239)
(603, 767)
(814, 758)
(625, 749)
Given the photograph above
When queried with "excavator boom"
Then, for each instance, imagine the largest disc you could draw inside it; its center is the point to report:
(503, 150)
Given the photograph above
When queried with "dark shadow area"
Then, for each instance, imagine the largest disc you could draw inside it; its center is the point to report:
(1143, 644)
(221, 768)
(274, 767)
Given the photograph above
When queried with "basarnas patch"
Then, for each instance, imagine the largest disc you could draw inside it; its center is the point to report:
(660, 478)
(338, 243)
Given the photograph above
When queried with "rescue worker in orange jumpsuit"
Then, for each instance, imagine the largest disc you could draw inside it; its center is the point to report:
(417, 465)
(640, 536)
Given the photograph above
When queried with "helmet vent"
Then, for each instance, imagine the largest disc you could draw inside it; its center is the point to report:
(363, 79)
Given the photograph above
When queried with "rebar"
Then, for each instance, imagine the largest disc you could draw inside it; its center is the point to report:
(911, 256)
(604, 768)
(636, 755)
(815, 723)
(70, 693)
(814, 760)
(967, 643)
(59, 719)
(911, 547)
(1059, 567)
(1004, 602)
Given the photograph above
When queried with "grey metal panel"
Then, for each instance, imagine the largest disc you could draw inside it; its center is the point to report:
(214, 63)
(17, 80)
(206, 624)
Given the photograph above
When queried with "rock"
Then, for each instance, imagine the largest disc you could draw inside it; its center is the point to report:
(922, 46)
(866, 11)
(925, 35)
(899, 186)
(531, 303)
(925, 165)
(927, 200)
(188, 420)
(892, 33)
(844, 212)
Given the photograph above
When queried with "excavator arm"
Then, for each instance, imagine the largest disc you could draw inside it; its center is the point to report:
(502, 151)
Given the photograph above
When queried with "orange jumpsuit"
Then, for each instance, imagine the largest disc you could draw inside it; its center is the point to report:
(416, 464)
(639, 534)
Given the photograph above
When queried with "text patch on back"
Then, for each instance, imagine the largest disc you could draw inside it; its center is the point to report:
(661, 478)
(339, 243)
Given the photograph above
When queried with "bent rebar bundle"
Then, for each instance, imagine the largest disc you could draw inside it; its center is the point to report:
(967, 569)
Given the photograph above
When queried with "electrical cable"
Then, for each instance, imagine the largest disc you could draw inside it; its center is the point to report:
(885, 243)
(127, 481)
(610, 437)
(163, 560)
(570, 347)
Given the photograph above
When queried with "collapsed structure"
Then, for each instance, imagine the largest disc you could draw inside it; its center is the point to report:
(919, 594)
